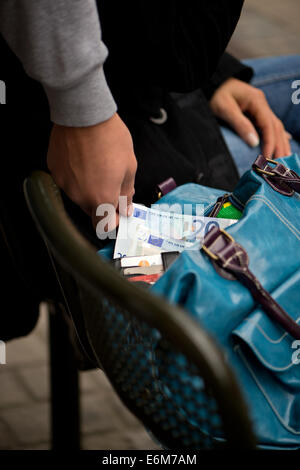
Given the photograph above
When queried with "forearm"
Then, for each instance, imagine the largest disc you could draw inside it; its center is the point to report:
(59, 44)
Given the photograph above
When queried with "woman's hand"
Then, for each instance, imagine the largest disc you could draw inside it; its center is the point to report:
(246, 109)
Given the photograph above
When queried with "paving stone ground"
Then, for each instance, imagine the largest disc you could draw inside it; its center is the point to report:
(25, 408)
(268, 27)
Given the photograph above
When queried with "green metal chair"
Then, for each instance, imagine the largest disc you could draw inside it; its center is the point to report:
(133, 335)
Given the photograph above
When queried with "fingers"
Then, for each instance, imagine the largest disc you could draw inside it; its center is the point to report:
(275, 140)
(264, 119)
(231, 112)
(278, 145)
(245, 108)
(127, 190)
(105, 220)
(283, 147)
(105, 216)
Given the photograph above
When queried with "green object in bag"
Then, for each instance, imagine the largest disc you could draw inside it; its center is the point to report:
(228, 211)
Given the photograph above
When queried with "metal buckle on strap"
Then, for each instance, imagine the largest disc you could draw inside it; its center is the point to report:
(209, 252)
(265, 172)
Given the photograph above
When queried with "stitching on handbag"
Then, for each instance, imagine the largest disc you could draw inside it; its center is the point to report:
(293, 431)
(279, 215)
(266, 363)
(274, 209)
(273, 341)
(238, 253)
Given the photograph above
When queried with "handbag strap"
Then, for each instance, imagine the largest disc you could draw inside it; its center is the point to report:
(165, 187)
(279, 177)
(218, 205)
(233, 258)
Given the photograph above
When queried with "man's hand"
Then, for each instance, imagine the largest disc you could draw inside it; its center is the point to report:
(243, 106)
(94, 165)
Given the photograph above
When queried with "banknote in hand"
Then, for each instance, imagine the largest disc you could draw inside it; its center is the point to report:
(152, 231)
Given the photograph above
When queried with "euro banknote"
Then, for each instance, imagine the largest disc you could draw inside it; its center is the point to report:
(152, 231)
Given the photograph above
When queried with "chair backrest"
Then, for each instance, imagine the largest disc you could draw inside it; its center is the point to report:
(167, 370)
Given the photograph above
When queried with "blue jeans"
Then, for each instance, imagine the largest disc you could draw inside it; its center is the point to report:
(274, 76)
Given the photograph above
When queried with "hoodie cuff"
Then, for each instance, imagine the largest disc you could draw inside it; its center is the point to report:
(86, 103)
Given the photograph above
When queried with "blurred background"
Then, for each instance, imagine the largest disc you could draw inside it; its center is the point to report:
(268, 27)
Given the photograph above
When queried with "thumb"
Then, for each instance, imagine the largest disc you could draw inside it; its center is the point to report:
(127, 192)
(125, 201)
(241, 124)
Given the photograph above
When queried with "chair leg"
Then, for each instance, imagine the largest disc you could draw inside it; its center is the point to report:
(64, 379)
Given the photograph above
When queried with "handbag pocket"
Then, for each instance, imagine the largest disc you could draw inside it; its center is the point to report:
(271, 355)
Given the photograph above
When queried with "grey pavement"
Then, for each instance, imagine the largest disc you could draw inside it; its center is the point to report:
(25, 407)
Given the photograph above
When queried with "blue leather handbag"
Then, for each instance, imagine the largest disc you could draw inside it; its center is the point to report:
(243, 286)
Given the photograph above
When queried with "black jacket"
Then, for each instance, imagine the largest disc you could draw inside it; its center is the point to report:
(170, 44)
(170, 54)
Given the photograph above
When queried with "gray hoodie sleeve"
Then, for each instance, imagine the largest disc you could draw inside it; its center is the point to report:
(59, 44)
